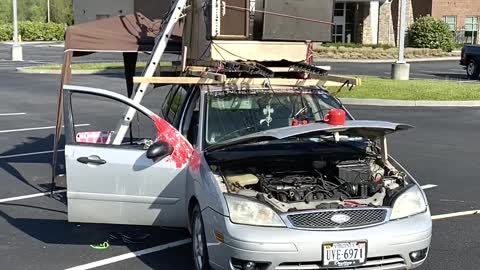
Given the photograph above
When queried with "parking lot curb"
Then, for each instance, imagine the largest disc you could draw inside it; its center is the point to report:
(384, 61)
(49, 43)
(409, 103)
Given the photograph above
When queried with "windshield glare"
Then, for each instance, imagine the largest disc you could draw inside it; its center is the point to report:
(231, 115)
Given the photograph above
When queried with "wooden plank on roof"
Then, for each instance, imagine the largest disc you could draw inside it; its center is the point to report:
(352, 81)
(219, 79)
(230, 81)
(176, 80)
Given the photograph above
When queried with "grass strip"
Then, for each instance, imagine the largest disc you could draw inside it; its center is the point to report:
(435, 90)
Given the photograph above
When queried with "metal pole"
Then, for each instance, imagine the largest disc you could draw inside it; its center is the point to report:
(48, 10)
(401, 32)
(17, 54)
(400, 69)
(15, 24)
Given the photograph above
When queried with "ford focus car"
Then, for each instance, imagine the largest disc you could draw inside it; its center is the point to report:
(264, 178)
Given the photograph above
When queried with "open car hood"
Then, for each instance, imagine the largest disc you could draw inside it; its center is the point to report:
(358, 128)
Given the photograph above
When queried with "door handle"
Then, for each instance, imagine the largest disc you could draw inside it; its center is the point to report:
(88, 160)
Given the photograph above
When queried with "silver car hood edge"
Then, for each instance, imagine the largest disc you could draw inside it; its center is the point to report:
(364, 128)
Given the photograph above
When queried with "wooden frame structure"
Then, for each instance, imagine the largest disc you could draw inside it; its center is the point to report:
(203, 61)
(221, 79)
(201, 75)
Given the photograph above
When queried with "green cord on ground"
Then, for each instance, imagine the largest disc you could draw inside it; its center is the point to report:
(105, 245)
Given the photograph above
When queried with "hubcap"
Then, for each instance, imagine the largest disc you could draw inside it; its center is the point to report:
(198, 243)
(471, 68)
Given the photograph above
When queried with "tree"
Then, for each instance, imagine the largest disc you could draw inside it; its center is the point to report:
(36, 11)
(62, 11)
(5, 11)
(32, 10)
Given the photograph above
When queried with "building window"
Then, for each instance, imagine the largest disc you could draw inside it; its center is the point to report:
(349, 22)
(337, 33)
(339, 20)
(471, 30)
(339, 9)
(451, 21)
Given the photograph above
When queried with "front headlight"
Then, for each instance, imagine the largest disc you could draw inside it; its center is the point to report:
(249, 212)
(409, 203)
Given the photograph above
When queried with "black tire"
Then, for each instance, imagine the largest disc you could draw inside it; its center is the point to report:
(473, 69)
(199, 243)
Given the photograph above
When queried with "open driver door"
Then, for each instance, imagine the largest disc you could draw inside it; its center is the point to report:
(140, 181)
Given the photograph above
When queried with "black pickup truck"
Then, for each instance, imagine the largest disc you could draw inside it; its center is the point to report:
(471, 60)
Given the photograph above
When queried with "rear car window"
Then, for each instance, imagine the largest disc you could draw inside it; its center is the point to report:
(173, 103)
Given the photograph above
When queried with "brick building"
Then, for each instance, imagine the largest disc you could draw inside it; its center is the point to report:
(462, 16)
(367, 21)
(376, 22)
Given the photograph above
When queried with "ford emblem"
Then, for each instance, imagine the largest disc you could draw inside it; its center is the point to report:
(340, 218)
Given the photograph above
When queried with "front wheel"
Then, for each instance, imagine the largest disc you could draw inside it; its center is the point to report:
(199, 243)
(473, 69)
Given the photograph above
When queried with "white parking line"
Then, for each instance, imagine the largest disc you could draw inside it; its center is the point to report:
(12, 114)
(457, 214)
(36, 128)
(130, 255)
(30, 154)
(30, 196)
(429, 186)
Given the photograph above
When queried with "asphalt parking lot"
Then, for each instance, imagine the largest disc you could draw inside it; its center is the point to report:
(441, 152)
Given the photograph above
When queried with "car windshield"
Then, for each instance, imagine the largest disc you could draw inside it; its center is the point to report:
(231, 114)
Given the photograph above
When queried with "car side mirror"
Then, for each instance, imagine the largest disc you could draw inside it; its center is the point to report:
(159, 150)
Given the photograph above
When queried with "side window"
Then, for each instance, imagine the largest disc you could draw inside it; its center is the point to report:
(192, 118)
(167, 101)
(174, 102)
(95, 121)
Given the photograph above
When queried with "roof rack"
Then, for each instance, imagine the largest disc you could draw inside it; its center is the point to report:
(298, 74)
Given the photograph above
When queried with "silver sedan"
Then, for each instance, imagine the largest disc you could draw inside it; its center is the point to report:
(264, 178)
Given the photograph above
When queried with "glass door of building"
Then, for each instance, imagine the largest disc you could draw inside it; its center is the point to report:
(339, 15)
(344, 16)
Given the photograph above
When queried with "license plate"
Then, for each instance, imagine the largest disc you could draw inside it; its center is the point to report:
(344, 254)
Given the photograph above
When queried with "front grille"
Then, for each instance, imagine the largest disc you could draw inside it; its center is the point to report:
(323, 220)
(376, 263)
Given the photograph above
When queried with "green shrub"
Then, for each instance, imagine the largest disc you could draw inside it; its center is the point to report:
(34, 31)
(53, 31)
(459, 45)
(6, 32)
(428, 32)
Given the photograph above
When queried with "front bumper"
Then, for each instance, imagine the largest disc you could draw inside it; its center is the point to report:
(389, 244)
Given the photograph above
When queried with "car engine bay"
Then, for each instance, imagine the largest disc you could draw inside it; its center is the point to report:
(297, 185)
